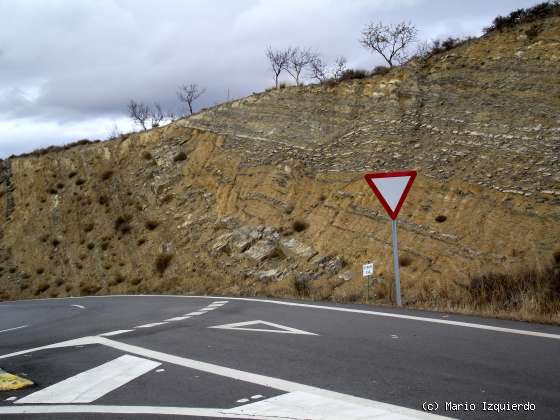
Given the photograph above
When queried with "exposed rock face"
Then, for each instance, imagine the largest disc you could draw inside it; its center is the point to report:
(270, 198)
(485, 113)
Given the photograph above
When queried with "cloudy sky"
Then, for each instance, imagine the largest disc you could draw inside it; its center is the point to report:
(68, 68)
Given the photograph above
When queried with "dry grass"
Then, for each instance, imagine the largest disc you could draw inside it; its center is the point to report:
(180, 157)
(524, 292)
(162, 262)
(87, 288)
(42, 287)
(151, 224)
(299, 225)
(122, 224)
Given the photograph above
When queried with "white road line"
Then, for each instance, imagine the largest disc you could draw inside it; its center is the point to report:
(376, 313)
(177, 318)
(15, 328)
(207, 309)
(281, 329)
(112, 333)
(299, 405)
(69, 343)
(222, 302)
(153, 324)
(243, 400)
(121, 409)
(256, 397)
(92, 384)
(79, 306)
(267, 381)
(392, 411)
(195, 313)
(349, 310)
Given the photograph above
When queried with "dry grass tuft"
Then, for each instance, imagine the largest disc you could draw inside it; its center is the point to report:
(180, 157)
(42, 287)
(162, 262)
(122, 224)
(151, 224)
(87, 288)
(405, 260)
(299, 225)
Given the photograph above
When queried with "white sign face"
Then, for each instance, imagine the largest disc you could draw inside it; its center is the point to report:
(392, 189)
(367, 269)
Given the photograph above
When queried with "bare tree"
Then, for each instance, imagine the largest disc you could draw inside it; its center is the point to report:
(319, 70)
(390, 41)
(339, 67)
(188, 94)
(278, 61)
(156, 115)
(298, 59)
(139, 112)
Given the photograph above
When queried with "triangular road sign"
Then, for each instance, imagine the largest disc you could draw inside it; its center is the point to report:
(281, 329)
(391, 188)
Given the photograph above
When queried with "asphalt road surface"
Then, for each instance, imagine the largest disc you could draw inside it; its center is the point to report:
(164, 357)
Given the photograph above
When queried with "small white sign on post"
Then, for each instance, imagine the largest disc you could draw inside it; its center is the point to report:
(367, 269)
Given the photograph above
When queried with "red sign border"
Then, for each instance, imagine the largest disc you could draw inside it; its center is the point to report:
(369, 179)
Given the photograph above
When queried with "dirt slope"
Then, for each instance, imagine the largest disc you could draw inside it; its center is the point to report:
(265, 195)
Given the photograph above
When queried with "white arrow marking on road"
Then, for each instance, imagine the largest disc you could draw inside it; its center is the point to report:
(79, 306)
(92, 384)
(281, 329)
(15, 328)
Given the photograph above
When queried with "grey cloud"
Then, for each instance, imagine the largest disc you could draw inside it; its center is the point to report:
(86, 59)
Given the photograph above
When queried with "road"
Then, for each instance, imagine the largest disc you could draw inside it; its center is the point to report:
(142, 357)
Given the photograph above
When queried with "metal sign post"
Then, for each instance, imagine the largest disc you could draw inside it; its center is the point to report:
(367, 271)
(396, 262)
(391, 188)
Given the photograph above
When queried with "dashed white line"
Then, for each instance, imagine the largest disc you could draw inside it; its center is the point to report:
(256, 397)
(79, 306)
(207, 309)
(112, 333)
(243, 400)
(177, 318)
(13, 329)
(194, 313)
(153, 324)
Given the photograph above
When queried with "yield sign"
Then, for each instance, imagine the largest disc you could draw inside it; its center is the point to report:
(391, 188)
